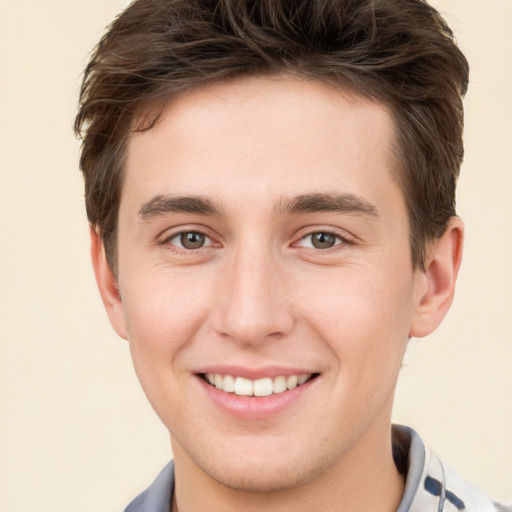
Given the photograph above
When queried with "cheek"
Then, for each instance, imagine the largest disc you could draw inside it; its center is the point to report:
(363, 316)
(163, 310)
(163, 315)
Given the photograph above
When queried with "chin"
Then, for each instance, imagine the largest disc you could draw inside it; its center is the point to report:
(267, 477)
(266, 468)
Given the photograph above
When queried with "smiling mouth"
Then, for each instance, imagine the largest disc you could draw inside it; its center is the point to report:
(261, 387)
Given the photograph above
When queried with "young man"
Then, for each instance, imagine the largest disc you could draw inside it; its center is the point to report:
(270, 187)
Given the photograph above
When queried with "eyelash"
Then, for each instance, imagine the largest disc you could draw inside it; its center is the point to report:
(167, 241)
(342, 240)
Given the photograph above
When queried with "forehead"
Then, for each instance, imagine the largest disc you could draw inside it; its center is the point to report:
(266, 137)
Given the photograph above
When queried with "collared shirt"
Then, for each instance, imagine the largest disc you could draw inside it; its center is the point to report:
(429, 486)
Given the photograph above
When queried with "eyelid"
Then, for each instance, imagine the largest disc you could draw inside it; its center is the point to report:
(208, 241)
(343, 236)
(166, 237)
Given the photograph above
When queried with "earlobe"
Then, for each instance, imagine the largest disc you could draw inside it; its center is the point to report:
(107, 284)
(440, 274)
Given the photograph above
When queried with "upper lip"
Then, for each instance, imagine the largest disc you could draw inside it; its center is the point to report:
(254, 373)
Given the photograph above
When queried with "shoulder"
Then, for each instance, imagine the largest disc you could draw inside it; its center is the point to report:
(430, 486)
(157, 497)
(464, 496)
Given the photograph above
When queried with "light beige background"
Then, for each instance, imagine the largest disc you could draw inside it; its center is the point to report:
(75, 430)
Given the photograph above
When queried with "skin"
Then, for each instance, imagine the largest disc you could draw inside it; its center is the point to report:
(259, 294)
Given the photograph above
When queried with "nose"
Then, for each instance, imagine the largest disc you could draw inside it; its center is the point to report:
(252, 304)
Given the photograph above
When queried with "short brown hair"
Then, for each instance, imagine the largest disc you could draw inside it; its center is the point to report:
(398, 52)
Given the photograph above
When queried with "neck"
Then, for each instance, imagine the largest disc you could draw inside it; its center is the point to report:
(365, 479)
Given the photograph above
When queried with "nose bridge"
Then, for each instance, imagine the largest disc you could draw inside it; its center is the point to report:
(253, 305)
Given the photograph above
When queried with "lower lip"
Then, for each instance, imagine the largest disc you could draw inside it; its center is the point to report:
(255, 407)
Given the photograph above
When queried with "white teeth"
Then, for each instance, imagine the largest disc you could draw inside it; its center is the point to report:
(243, 386)
(260, 387)
(302, 378)
(263, 387)
(229, 384)
(279, 384)
(291, 382)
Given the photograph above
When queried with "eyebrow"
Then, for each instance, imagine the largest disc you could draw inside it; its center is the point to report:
(164, 204)
(312, 203)
(306, 203)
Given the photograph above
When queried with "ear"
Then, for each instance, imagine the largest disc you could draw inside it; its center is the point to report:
(107, 284)
(438, 279)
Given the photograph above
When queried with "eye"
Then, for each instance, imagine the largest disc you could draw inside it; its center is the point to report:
(321, 240)
(190, 240)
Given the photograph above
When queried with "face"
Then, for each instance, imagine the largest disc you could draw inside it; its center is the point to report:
(264, 249)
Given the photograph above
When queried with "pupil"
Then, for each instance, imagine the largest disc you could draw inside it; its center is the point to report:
(192, 240)
(323, 240)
